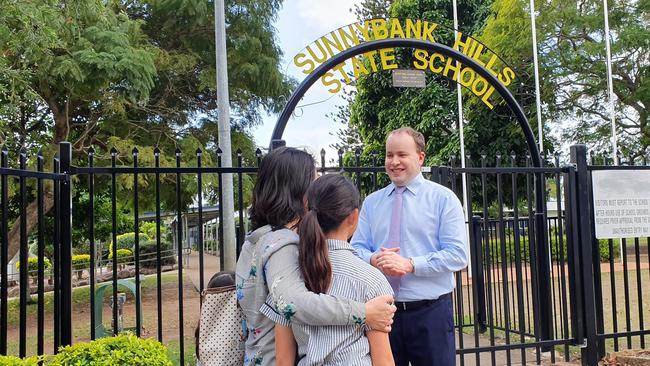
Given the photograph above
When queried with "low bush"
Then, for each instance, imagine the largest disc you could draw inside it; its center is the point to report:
(123, 256)
(15, 361)
(127, 241)
(148, 252)
(558, 250)
(603, 249)
(81, 261)
(125, 349)
(32, 264)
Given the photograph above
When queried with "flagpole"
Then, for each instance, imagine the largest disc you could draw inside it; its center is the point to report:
(536, 67)
(610, 99)
(610, 86)
(461, 130)
(460, 118)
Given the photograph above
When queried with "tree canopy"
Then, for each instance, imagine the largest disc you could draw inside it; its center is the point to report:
(377, 107)
(130, 74)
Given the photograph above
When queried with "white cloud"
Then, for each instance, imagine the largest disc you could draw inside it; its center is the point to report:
(324, 16)
(299, 23)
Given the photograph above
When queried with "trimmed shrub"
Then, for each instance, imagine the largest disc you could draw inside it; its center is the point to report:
(32, 264)
(148, 251)
(556, 255)
(81, 261)
(15, 361)
(123, 256)
(603, 250)
(149, 228)
(124, 349)
(126, 241)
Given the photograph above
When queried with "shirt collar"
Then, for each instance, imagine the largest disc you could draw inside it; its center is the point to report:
(413, 186)
(258, 233)
(334, 244)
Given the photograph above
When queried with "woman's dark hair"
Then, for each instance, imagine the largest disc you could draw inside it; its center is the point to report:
(331, 199)
(283, 178)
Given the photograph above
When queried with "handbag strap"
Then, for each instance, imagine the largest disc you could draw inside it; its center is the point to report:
(217, 290)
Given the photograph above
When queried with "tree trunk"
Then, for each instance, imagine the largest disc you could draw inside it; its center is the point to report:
(61, 132)
(32, 221)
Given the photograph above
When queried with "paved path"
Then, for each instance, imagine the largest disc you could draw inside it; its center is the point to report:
(501, 358)
(192, 268)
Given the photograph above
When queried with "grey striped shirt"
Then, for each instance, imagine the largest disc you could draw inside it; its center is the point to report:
(354, 279)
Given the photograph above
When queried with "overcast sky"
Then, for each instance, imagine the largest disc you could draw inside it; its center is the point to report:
(299, 23)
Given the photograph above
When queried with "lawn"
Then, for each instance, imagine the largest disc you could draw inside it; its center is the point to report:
(81, 318)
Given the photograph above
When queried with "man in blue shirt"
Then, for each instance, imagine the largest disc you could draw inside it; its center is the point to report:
(414, 232)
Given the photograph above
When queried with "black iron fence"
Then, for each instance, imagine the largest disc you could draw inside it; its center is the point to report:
(537, 282)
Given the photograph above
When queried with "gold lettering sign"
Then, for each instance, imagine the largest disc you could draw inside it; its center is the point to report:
(351, 35)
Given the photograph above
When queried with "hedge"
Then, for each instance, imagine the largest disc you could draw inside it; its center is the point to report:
(81, 261)
(123, 255)
(32, 264)
(15, 361)
(124, 349)
(148, 251)
(496, 255)
(127, 241)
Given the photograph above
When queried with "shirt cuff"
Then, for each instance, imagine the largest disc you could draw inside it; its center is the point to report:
(366, 255)
(421, 265)
(269, 312)
(357, 313)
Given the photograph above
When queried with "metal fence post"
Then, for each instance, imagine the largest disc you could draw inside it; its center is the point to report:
(478, 280)
(585, 240)
(65, 156)
(543, 254)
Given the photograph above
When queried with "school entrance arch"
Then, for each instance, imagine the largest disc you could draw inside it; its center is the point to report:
(543, 276)
(278, 131)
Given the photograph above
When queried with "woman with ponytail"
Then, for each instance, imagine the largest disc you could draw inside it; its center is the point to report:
(269, 262)
(329, 265)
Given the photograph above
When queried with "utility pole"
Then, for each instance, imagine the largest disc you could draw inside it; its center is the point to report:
(223, 101)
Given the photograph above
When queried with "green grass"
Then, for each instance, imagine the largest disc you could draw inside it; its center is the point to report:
(80, 296)
(174, 350)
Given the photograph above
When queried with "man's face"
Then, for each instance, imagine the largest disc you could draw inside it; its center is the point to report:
(403, 161)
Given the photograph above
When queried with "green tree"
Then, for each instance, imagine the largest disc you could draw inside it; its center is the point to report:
(81, 60)
(573, 67)
(123, 74)
(378, 107)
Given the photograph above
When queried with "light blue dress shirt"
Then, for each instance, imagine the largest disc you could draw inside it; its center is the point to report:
(433, 234)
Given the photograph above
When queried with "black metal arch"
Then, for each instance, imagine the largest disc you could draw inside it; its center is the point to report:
(278, 131)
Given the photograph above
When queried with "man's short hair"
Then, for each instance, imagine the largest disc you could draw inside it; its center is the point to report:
(417, 137)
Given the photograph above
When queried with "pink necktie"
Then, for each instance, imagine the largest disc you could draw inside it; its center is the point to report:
(395, 231)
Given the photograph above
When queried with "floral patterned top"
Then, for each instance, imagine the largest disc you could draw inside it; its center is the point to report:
(269, 259)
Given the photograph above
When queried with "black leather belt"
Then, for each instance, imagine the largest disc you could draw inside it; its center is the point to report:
(414, 305)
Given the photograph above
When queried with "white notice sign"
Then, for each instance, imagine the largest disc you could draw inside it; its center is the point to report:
(621, 203)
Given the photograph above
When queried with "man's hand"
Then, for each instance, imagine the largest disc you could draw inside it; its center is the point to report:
(379, 313)
(390, 263)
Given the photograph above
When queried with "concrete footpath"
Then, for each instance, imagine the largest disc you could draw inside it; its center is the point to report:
(192, 268)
